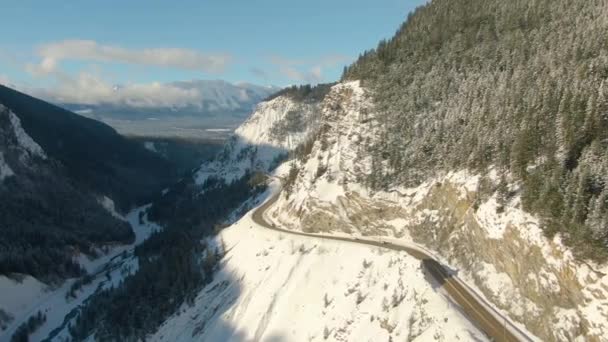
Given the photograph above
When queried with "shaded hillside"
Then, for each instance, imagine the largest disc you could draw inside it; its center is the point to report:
(174, 264)
(93, 154)
(517, 85)
(46, 218)
(185, 154)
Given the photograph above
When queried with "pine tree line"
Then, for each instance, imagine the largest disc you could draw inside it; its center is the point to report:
(518, 85)
(22, 334)
(174, 264)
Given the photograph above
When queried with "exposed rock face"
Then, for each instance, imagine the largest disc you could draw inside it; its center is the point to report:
(489, 240)
(274, 129)
(17, 149)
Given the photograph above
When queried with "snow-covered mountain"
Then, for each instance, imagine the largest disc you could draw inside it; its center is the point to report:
(58, 222)
(276, 128)
(270, 285)
(453, 182)
(192, 98)
(197, 109)
(498, 248)
(275, 287)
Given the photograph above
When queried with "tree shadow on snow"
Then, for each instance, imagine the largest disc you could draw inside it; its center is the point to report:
(219, 309)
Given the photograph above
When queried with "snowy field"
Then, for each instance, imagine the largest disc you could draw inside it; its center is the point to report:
(277, 287)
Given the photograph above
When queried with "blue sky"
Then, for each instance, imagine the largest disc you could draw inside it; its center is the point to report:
(48, 43)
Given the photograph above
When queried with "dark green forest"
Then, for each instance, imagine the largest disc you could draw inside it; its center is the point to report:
(49, 210)
(45, 217)
(519, 85)
(28, 327)
(93, 153)
(305, 92)
(174, 264)
(183, 153)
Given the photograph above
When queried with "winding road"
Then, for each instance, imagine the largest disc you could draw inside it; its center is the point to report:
(488, 320)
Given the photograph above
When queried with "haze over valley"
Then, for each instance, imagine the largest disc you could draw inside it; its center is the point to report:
(214, 110)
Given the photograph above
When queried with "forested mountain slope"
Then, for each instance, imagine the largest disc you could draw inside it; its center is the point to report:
(481, 132)
(266, 282)
(93, 154)
(45, 217)
(519, 86)
(277, 127)
(56, 167)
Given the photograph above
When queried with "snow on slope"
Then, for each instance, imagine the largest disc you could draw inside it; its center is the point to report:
(500, 251)
(22, 137)
(276, 287)
(15, 139)
(5, 169)
(275, 128)
(24, 299)
(17, 294)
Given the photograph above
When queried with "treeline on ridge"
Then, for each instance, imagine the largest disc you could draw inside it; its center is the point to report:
(520, 86)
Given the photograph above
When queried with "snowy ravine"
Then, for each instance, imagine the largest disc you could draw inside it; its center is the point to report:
(22, 299)
(500, 250)
(275, 287)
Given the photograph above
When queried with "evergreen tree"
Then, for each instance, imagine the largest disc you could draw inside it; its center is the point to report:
(519, 86)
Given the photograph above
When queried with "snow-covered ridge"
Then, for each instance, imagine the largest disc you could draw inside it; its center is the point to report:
(499, 249)
(276, 287)
(275, 128)
(271, 286)
(194, 96)
(5, 169)
(17, 147)
(22, 137)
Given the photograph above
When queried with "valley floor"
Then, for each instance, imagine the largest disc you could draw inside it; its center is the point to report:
(22, 300)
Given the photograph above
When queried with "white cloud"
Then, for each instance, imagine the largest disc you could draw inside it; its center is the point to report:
(52, 54)
(259, 73)
(4, 80)
(91, 89)
(306, 71)
(316, 72)
(302, 76)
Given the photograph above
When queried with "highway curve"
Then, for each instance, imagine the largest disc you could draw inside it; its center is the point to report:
(469, 303)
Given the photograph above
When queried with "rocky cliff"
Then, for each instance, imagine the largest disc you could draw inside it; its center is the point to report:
(475, 222)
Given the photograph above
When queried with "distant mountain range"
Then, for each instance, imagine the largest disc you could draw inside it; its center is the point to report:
(207, 98)
(211, 104)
